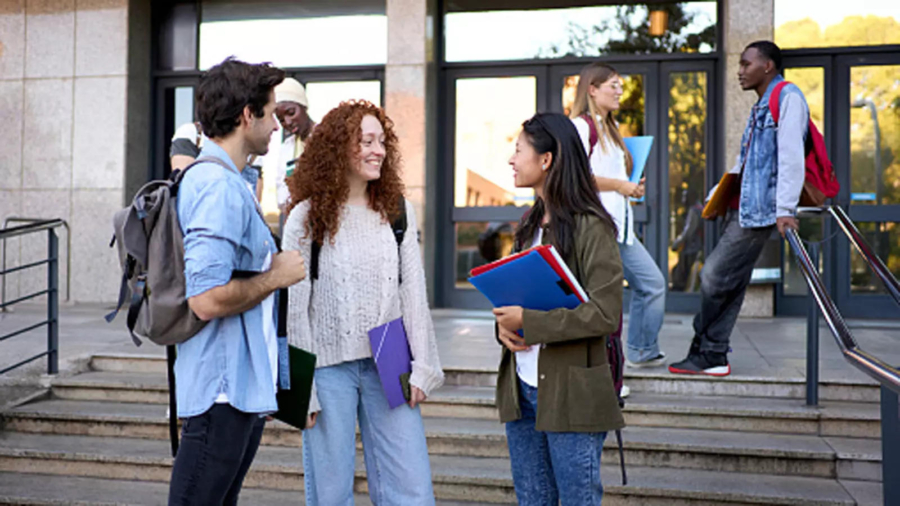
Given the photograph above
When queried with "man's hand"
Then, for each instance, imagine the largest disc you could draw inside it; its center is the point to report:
(415, 396)
(510, 339)
(784, 223)
(509, 317)
(311, 420)
(287, 268)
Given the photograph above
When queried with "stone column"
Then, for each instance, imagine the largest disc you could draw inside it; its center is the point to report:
(745, 21)
(410, 101)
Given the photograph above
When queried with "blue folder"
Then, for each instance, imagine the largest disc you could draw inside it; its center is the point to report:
(528, 281)
(640, 152)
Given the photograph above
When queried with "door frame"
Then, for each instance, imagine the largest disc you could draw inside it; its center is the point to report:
(448, 215)
(857, 305)
(836, 64)
(677, 302)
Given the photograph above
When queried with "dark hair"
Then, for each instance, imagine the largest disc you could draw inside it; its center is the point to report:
(569, 189)
(226, 89)
(768, 50)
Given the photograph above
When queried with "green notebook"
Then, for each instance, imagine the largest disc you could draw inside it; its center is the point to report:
(293, 404)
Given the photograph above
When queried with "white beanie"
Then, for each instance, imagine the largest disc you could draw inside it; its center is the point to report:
(290, 90)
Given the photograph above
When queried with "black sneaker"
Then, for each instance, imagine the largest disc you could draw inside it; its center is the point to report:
(709, 364)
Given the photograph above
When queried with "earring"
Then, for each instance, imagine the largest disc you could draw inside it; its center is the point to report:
(544, 167)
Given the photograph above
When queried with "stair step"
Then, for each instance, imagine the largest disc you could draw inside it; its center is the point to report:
(750, 452)
(758, 414)
(653, 382)
(455, 478)
(52, 490)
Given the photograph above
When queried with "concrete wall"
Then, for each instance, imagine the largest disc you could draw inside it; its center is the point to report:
(63, 81)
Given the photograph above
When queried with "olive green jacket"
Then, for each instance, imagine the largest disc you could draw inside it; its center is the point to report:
(575, 387)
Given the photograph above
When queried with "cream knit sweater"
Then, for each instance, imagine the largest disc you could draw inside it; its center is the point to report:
(358, 290)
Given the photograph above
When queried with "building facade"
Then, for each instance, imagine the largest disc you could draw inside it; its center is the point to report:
(91, 92)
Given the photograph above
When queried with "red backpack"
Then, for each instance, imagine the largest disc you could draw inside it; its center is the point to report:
(820, 182)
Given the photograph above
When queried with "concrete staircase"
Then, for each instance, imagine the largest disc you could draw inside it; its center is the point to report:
(100, 437)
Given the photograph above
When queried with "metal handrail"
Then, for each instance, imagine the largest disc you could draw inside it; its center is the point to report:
(877, 369)
(39, 222)
(52, 291)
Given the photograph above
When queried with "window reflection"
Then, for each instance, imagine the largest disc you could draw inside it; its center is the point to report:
(687, 173)
(479, 243)
(884, 238)
(293, 36)
(489, 116)
(578, 31)
(875, 135)
(325, 96)
(804, 23)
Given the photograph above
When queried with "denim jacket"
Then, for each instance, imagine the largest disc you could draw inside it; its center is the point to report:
(772, 158)
(223, 232)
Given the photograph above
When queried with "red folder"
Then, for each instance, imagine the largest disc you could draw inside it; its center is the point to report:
(551, 256)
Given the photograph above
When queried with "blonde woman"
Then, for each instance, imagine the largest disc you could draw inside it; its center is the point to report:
(597, 99)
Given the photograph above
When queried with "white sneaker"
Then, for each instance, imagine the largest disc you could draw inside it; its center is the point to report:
(658, 361)
(625, 391)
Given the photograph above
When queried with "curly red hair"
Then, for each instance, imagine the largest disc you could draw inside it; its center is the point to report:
(330, 152)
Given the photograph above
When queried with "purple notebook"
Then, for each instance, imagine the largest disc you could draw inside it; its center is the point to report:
(390, 349)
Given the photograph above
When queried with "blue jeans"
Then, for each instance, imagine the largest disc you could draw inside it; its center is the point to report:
(396, 455)
(550, 468)
(217, 448)
(648, 302)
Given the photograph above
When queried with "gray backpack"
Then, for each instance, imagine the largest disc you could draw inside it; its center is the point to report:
(151, 252)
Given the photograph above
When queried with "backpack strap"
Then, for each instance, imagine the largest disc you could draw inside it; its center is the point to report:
(398, 227)
(775, 100)
(593, 134)
(173, 404)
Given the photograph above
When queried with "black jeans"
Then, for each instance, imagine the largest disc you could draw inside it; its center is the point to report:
(724, 280)
(216, 451)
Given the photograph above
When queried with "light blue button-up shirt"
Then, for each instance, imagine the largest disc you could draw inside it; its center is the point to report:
(223, 232)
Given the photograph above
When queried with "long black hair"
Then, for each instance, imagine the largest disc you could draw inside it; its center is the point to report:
(569, 189)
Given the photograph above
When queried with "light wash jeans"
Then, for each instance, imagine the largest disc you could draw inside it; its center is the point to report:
(396, 455)
(648, 302)
(551, 468)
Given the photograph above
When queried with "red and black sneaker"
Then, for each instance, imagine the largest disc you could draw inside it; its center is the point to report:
(709, 364)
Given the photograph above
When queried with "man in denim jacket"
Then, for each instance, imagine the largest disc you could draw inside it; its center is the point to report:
(772, 169)
(227, 374)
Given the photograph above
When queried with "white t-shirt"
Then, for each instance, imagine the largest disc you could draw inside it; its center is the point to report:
(527, 360)
(281, 161)
(609, 164)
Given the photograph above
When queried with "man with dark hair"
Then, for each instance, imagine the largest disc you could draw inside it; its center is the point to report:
(227, 375)
(771, 171)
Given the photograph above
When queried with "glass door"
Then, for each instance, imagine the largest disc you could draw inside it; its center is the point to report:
(686, 157)
(485, 111)
(812, 76)
(867, 106)
(176, 97)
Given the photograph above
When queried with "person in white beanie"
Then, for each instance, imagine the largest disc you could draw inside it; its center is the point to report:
(292, 111)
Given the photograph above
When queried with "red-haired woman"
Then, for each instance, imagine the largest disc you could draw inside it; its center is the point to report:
(345, 194)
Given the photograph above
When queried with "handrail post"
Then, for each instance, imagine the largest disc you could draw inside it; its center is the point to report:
(890, 446)
(52, 302)
(812, 338)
